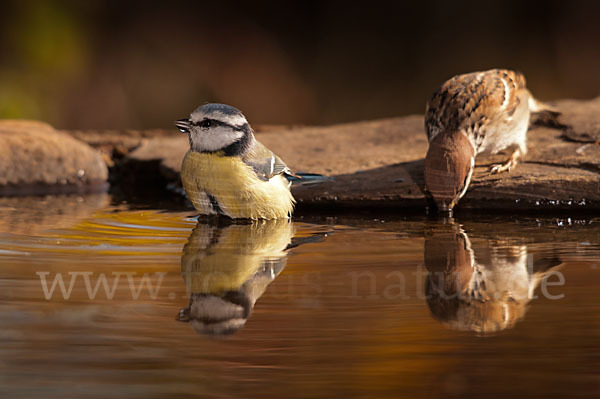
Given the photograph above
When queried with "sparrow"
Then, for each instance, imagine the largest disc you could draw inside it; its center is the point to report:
(228, 172)
(484, 286)
(470, 114)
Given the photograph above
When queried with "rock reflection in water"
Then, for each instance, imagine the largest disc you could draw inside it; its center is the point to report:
(483, 288)
(32, 215)
(228, 268)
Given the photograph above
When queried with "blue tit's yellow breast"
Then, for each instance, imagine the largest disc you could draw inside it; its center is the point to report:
(240, 252)
(233, 185)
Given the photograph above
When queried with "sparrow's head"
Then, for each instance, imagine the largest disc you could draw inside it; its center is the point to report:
(449, 166)
(217, 127)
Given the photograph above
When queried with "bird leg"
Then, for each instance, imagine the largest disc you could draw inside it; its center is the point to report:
(508, 165)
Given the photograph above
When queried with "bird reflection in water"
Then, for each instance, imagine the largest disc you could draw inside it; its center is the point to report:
(227, 268)
(483, 288)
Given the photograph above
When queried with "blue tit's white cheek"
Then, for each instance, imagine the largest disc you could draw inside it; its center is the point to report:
(214, 138)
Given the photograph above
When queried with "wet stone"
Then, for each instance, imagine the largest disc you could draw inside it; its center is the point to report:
(379, 164)
(36, 159)
(581, 120)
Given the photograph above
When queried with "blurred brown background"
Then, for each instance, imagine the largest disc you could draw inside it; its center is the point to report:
(118, 64)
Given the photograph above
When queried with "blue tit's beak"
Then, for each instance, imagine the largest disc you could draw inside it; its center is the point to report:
(183, 125)
(184, 315)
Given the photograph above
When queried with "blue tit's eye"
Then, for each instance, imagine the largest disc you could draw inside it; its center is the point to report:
(206, 124)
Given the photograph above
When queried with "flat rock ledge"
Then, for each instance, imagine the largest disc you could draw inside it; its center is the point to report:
(379, 164)
(36, 159)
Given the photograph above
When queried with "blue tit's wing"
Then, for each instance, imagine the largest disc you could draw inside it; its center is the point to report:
(264, 162)
(266, 165)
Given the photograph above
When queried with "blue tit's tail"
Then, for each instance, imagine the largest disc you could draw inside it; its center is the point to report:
(306, 178)
(316, 237)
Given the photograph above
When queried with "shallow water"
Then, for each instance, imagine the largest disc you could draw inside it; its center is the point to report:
(321, 307)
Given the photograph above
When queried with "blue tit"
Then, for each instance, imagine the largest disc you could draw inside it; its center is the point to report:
(228, 268)
(228, 172)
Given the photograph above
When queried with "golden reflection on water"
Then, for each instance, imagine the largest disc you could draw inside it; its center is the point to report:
(344, 316)
(227, 269)
(33, 215)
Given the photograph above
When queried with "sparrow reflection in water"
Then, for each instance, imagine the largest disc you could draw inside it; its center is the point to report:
(227, 268)
(483, 290)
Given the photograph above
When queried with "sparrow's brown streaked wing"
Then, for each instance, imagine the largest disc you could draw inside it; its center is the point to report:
(469, 102)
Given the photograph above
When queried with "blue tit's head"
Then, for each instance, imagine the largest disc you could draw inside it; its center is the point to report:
(217, 315)
(217, 127)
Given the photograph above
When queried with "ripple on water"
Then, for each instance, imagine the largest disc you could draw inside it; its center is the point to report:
(344, 311)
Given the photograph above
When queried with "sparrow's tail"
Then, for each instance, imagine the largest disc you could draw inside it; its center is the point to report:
(543, 114)
(307, 178)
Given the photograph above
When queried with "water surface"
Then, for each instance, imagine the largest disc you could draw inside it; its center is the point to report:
(321, 307)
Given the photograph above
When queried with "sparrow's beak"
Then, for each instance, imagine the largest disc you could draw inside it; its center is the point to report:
(447, 210)
(183, 125)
